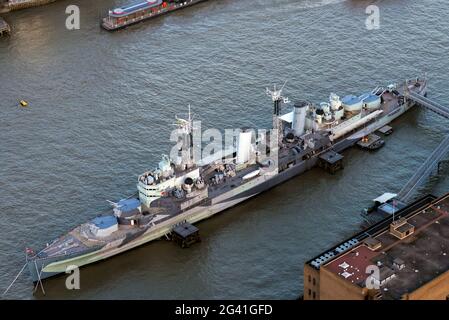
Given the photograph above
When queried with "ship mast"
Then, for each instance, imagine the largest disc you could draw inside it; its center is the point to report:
(278, 99)
(186, 127)
(190, 136)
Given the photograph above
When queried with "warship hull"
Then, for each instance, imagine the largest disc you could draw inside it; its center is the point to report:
(42, 268)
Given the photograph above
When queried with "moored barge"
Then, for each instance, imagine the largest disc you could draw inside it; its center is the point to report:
(139, 11)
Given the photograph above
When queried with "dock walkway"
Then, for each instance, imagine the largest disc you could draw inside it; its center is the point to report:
(425, 170)
(435, 157)
(429, 104)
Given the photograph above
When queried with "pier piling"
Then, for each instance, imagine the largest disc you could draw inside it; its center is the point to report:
(331, 161)
(5, 29)
(185, 235)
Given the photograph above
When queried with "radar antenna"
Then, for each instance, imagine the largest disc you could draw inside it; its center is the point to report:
(183, 123)
(277, 94)
(277, 98)
(186, 127)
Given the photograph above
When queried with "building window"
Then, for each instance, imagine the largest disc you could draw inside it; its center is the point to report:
(314, 295)
(310, 292)
(310, 278)
(314, 282)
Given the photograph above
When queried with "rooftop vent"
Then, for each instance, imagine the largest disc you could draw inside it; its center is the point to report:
(372, 243)
(331, 254)
(398, 264)
(385, 275)
(347, 245)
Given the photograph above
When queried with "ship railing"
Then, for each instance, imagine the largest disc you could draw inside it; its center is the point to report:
(148, 187)
(128, 21)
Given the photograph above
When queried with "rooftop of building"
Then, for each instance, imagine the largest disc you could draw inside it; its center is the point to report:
(405, 264)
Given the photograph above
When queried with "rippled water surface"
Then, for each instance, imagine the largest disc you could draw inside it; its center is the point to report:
(102, 108)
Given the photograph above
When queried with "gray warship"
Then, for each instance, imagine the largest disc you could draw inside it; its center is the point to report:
(184, 190)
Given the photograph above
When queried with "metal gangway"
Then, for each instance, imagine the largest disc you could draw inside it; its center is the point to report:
(424, 171)
(435, 157)
(427, 103)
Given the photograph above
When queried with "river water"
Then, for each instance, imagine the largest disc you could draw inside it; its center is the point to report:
(102, 107)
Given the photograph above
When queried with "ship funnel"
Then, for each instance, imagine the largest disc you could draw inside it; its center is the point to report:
(244, 148)
(299, 117)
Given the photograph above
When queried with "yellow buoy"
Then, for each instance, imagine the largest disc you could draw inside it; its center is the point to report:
(23, 103)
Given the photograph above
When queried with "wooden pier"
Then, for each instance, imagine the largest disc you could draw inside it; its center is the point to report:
(5, 29)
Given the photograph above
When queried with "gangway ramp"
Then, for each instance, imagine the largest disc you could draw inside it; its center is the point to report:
(424, 171)
(435, 157)
(429, 104)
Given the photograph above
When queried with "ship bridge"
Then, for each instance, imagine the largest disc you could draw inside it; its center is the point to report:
(435, 157)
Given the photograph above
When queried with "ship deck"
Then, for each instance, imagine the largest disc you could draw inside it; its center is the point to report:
(80, 240)
(134, 7)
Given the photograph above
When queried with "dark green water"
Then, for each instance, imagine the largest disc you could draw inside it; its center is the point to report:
(102, 108)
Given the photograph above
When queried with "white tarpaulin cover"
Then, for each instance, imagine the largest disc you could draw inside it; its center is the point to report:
(288, 117)
(385, 197)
